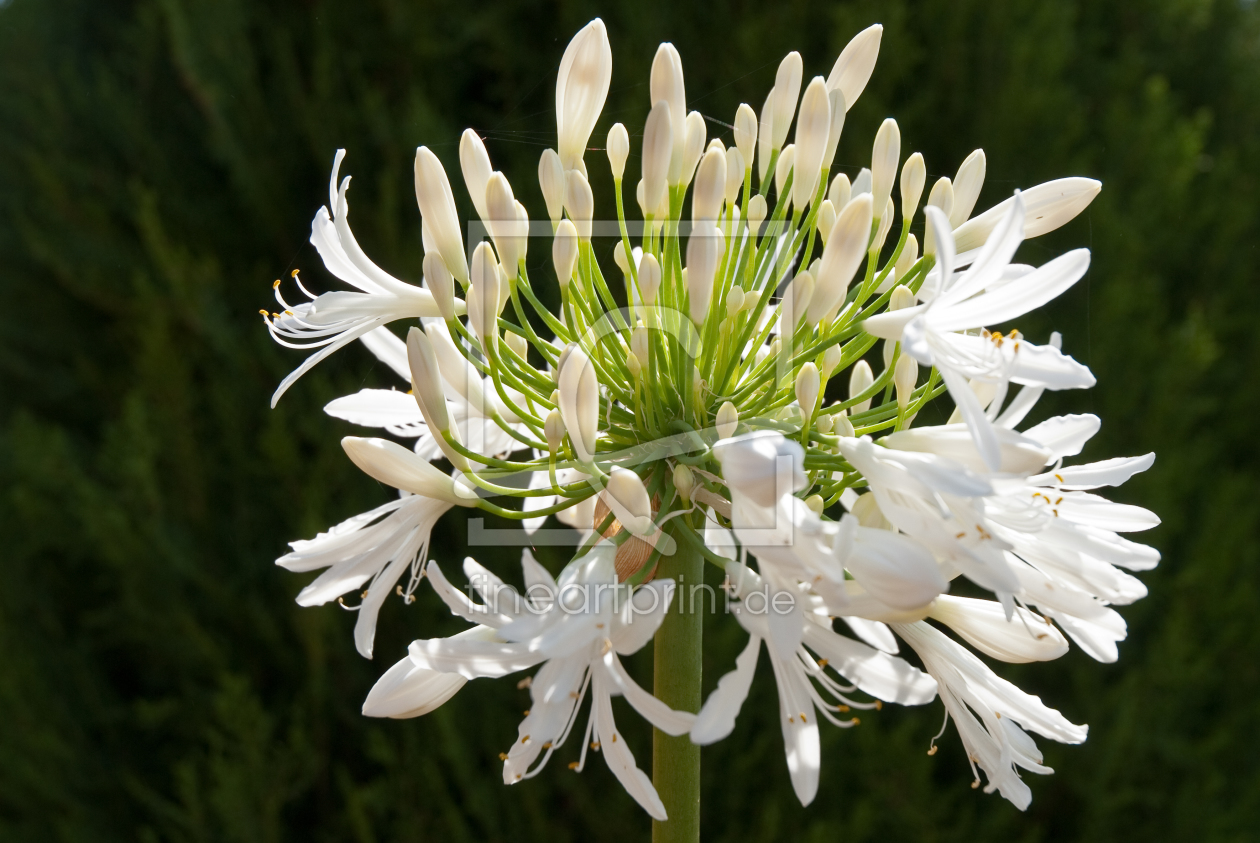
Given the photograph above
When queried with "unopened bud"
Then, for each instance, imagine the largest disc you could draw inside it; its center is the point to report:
(658, 147)
(746, 133)
(474, 162)
(808, 384)
(756, 213)
(518, 344)
(618, 149)
(553, 429)
(580, 202)
(840, 192)
(942, 196)
(795, 303)
(909, 256)
(634, 366)
(706, 197)
(684, 482)
(884, 158)
(579, 401)
(826, 219)
(727, 420)
(704, 253)
(765, 138)
(649, 279)
(885, 223)
(844, 252)
(639, 340)
(734, 301)
(787, 90)
(620, 258)
(694, 146)
(967, 185)
(901, 298)
(812, 126)
(697, 386)
(483, 296)
(860, 379)
(905, 375)
(441, 284)
(787, 159)
(861, 183)
(842, 425)
(734, 175)
(551, 180)
(564, 252)
(913, 178)
(815, 504)
(629, 500)
(831, 359)
(751, 297)
(824, 423)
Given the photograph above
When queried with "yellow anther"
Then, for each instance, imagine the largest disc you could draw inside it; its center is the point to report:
(975, 784)
(277, 284)
(294, 273)
(879, 705)
(595, 745)
(547, 745)
(573, 765)
(614, 737)
(823, 662)
(856, 721)
(502, 756)
(525, 739)
(804, 719)
(525, 683)
(932, 751)
(526, 712)
(1059, 477)
(843, 709)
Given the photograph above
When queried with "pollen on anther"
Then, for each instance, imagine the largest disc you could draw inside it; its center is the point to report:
(842, 708)
(294, 273)
(525, 683)
(526, 712)
(975, 784)
(503, 756)
(1059, 477)
(932, 751)
(595, 745)
(547, 745)
(525, 739)
(879, 705)
(573, 765)
(823, 662)
(856, 721)
(277, 284)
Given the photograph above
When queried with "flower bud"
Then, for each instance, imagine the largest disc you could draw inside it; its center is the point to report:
(942, 196)
(1046, 207)
(551, 180)
(518, 344)
(765, 138)
(581, 88)
(808, 384)
(564, 252)
(658, 145)
(618, 148)
(842, 425)
(734, 301)
(706, 197)
(824, 423)
(704, 253)
(861, 183)
(684, 482)
(885, 225)
(905, 375)
(441, 284)
(580, 202)
(825, 220)
(901, 298)
(634, 366)
(437, 207)
(746, 132)
(734, 175)
(697, 386)
(787, 89)
(845, 249)
(815, 504)
(693, 147)
(553, 429)
(666, 83)
(835, 101)
(727, 420)
(628, 499)
(787, 159)
(649, 279)
(860, 379)
(502, 221)
(840, 192)
(795, 303)
(639, 340)
(889, 347)
(913, 177)
(831, 359)
(579, 402)
(884, 158)
(620, 258)
(751, 297)
(756, 213)
(474, 162)
(967, 186)
(483, 297)
(909, 256)
(426, 380)
(812, 128)
(853, 68)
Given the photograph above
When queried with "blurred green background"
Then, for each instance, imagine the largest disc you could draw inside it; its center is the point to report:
(160, 162)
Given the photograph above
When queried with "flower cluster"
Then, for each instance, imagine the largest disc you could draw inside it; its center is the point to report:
(693, 419)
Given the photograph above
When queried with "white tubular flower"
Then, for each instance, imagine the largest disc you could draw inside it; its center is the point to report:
(884, 158)
(693, 147)
(855, 65)
(618, 149)
(913, 178)
(579, 402)
(801, 646)
(1047, 206)
(860, 381)
(826, 220)
(990, 291)
(564, 251)
(575, 628)
(628, 499)
(812, 131)
(967, 184)
(483, 296)
(551, 180)
(666, 84)
(843, 254)
(985, 626)
(787, 90)
(510, 236)
(837, 108)
(658, 145)
(704, 253)
(746, 132)
(991, 714)
(474, 163)
(840, 192)
(581, 88)
(579, 202)
(706, 198)
(331, 321)
(437, 207)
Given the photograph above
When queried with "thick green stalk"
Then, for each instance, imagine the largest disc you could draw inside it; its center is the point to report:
(676, 760)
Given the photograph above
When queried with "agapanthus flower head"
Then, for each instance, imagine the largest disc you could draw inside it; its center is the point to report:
(724, 395)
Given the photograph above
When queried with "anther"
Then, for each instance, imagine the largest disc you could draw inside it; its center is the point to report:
(879, 705)
(823, 662)
(524, 683)
(526, 712)
(975, 784)
(595, 745)
(525, 739)
(275, 285)
(503, 756)
(842, 709)
(547, 745)
(573, 765)
(294, 273)
(932, 751)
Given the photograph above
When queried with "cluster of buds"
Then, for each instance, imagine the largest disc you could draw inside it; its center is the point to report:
(684, 408)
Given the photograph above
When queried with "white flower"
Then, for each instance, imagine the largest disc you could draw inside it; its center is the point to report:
(575, 628)
(781, 619)
(991, 714)
(941, 332)
(331, 320)
(581, 88)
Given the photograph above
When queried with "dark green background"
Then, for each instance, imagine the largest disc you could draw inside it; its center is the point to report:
(160, 161)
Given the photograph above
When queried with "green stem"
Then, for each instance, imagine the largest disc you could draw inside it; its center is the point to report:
(676, 760)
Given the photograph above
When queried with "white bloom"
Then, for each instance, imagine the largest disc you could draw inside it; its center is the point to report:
(437, 208)
(330, 321)
(991, 714)
(581, 88)
(855, 65)
(575, 628)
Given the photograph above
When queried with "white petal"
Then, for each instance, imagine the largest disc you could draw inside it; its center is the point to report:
(984, 624)
(1065, 435)
(717, 717)
(875, 633)
(641, 616)
(472, 659)
(654, 711)
(877, 673)
(1112, 472)
(388, 408)
(618, 756)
